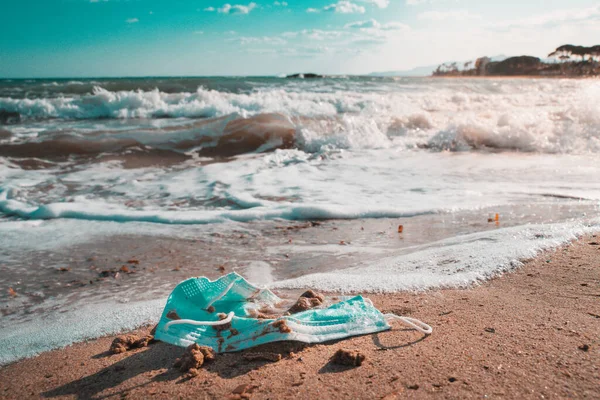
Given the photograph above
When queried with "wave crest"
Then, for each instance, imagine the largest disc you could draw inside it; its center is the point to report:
(531, 116)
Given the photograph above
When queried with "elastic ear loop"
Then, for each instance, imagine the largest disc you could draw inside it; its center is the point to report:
(412, 322)
(199, 323)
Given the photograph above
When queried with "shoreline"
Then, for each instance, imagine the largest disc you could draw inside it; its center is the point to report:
(515, 76)
(488, 340)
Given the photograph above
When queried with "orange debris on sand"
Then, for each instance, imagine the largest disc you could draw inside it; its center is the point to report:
(11, 292)
(194, 357)
(495, 219)
(307, 300)
(400, 228)
(348, 357)
(123, 343)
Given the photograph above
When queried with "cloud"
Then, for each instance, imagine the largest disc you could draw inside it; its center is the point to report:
(457, 15)
(280, 3)
(378, 3)
(373, 30)
(294, 52)
(237, 9)
(369, 41)
(555, 17)
(245, 40)
(198, 32)
(314, 34)
(421, 2)
(370, 23)
(395, 26)
(233, 9)
(351, 51)
(132, 20)
(305, 51)
(314, 49)
(373, 24)
(345, 7)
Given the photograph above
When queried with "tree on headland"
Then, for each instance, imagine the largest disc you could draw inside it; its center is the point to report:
(565, 52)
(572, 61)
(595, 51)
(447, 69)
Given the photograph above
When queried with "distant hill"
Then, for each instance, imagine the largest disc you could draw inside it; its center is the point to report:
(426, 70)
(417, 71)
(566, 60)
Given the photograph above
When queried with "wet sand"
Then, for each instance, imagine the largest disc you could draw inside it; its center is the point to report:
(532, 333)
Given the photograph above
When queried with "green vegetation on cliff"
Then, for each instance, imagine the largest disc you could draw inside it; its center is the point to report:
(570, 60)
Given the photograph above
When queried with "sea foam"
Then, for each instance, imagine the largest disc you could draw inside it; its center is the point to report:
(455, 262)
(84, 322)
(555, 116)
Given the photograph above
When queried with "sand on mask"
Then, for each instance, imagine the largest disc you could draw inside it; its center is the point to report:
(230, 314)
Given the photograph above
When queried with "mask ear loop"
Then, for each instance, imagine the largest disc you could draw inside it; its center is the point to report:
(412, 322)
(199, 323)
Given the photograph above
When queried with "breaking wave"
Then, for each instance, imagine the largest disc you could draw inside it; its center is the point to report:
(220, 137)
(520, 115)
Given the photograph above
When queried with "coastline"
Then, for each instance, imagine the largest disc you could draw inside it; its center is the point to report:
(487, 341)
(574, 77)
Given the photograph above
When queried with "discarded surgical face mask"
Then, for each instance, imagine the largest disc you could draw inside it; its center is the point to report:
(222, 314)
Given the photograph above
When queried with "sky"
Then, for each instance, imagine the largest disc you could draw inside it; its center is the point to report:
(105, 38)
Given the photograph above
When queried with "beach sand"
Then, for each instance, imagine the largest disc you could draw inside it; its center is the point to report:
(531, 333)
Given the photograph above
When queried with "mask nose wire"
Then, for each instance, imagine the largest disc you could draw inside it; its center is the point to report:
(199, 323)
(223, 293)
(412, 322)
(207, 323)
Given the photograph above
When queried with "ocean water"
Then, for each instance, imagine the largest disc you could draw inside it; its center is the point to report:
(186, 174)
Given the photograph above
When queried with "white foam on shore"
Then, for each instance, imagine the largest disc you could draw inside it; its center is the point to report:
(46, 235)
(59, 329)
(287, 185)
(455, 262)
(105, 212)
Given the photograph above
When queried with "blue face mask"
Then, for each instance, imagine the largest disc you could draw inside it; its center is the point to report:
(223, 315)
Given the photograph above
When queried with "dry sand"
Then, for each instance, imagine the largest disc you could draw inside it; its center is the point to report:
(533, 333)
